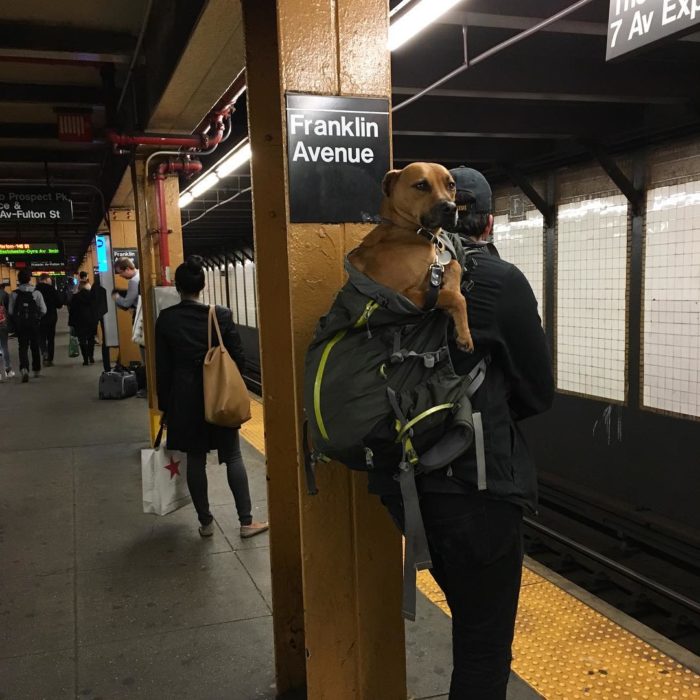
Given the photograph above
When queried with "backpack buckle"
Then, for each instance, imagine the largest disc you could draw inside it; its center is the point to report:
(436, 272)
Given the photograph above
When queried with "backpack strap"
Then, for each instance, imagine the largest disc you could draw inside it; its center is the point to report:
(476, 379)
(417, 556)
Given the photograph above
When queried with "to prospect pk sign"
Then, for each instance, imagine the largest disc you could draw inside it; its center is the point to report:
(338, 153)
(633, 24)
(34, 205)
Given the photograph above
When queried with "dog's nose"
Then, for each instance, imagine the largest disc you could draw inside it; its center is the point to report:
(448, 207)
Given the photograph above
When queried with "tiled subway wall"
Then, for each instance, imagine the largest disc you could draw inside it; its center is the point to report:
(522, 243)
(591, 297)
(671, 322)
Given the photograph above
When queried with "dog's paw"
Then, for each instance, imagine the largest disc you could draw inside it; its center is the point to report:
(465, 344)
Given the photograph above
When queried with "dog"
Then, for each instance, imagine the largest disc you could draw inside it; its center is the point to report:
(407, 253)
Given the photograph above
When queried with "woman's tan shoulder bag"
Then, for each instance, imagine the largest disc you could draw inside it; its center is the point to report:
(226, 400)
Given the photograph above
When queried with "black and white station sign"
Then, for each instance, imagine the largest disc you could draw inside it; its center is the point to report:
(633, 24)
(338, 153)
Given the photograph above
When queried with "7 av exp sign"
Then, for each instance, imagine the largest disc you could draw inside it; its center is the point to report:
(338, 153)
(633, 24)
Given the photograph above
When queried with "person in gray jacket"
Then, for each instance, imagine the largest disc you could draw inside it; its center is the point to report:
(26, 309)
(5, 361)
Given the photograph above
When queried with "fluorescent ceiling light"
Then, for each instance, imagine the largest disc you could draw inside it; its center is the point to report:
(204, 184)
(417, 19)
(185, 199)
(240, 156)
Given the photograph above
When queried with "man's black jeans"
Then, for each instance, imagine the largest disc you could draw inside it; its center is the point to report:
(477, 553)
(47, 336)
(28, 338)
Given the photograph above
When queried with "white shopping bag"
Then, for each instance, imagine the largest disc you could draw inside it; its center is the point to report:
(137, 327)
(164, 477)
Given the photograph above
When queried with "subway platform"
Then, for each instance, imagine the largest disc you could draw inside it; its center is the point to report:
(98, 600)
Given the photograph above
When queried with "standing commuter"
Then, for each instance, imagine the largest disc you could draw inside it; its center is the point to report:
(47, 327)
(26, 309)
(6, 361)
(99, 304)
(181, 345)
(83, 320)
(475, 537)
(128, 300)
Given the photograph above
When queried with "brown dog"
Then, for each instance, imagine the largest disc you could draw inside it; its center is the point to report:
(418, 202)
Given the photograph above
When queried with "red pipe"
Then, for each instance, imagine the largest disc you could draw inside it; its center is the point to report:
(201, 140)
(189, 166)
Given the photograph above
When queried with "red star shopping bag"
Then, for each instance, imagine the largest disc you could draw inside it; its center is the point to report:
(164, 477)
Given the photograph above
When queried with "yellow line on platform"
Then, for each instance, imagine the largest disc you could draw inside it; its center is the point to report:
(563, 648)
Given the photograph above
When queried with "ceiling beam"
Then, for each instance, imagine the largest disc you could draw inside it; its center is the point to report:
(22, 156)
(538, 96)
(65, 42)
(58, 95)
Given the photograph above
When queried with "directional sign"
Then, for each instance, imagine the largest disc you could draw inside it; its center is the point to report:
(633, 24)
(35, 205)
(34, 253)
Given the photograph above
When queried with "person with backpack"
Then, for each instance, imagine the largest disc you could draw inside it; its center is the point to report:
(474, 530)
(6, 362)
(26, 308)
(47, 326)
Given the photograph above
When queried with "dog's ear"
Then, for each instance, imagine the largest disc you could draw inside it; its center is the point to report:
(389, 181)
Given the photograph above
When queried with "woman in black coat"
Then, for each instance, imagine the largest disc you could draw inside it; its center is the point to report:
(83, 320)
(181, 345)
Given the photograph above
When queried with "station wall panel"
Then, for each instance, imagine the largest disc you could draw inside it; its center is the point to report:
(522, 243)
(591, 297)
(671, 322)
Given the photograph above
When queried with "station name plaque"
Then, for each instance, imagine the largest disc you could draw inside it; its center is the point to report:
(338, 153)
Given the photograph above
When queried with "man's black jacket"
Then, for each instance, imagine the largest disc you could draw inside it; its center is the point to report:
(52, 299)
(505, 324)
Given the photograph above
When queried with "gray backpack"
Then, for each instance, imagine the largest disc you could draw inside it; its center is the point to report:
(380, 393)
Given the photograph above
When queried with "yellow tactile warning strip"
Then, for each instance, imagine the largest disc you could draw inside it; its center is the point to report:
(563, 648)
(254, 430)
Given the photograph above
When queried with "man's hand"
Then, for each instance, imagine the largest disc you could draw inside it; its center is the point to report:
(115, 295)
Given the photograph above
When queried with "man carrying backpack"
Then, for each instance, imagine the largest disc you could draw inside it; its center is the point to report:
(26, 309)
(474, 528)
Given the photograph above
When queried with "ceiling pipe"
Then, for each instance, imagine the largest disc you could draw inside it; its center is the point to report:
(202, 140)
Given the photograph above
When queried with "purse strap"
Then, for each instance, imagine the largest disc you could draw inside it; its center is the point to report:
(159, 437)
(215, 321)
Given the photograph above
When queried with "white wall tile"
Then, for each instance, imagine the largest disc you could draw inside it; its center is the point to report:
(522, 243)
(591, 286)
(671, 321)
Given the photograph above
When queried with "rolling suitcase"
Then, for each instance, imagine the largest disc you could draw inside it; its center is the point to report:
(117, 385)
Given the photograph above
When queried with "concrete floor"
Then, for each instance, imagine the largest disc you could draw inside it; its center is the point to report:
(98, 600)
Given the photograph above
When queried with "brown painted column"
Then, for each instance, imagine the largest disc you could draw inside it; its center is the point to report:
(336, 558)
(149, 264)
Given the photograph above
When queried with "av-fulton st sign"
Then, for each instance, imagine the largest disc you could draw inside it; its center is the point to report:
(337, 154)
(34, 205)
(633, 24)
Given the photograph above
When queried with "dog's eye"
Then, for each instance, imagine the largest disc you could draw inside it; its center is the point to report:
(422, 186)
(451, 186)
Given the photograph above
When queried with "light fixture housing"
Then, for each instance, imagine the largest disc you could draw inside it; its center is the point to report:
(416, 20)
(206, 183)
(185, 199)
(237, 158)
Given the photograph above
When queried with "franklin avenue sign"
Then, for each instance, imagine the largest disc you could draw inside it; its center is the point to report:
(338, 153)
(633, 24)
(35, 205)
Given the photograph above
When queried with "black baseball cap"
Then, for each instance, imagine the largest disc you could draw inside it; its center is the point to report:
(473, 192)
